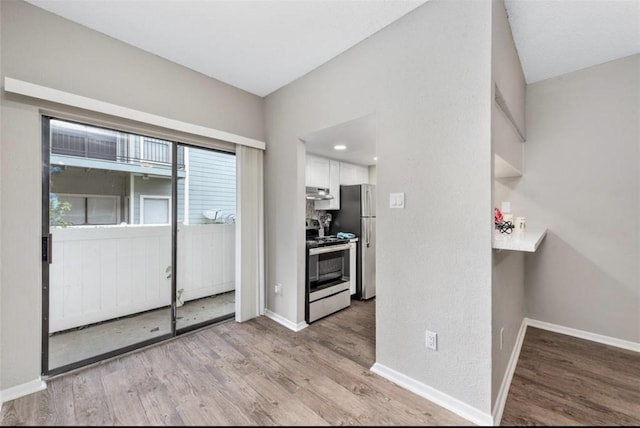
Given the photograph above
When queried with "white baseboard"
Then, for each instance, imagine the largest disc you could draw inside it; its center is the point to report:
(501, 399)
(440, 398)
(606, 340)
(285, 322)
(22, 390)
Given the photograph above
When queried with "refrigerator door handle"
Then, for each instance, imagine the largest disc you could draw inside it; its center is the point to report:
(368, 201)
(368, 213)
(368, 232)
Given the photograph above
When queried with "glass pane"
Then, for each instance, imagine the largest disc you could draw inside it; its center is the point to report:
(110, 281)
(102, 210)
(206, 236)
(71, 210)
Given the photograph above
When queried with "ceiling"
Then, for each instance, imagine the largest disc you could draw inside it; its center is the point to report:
(262, 45)
(555, 37)
(255, 45)
(359, 136)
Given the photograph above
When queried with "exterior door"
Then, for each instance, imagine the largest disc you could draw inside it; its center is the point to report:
(206, 227)
(105, 284)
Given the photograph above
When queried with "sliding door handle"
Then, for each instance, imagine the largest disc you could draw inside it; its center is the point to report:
(50, 248)
(47, 248)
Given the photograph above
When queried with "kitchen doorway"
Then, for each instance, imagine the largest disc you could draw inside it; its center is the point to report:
(340, 184)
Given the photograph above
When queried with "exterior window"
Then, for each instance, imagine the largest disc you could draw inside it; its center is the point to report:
(155, 209)
(102, 210)
(91, 209)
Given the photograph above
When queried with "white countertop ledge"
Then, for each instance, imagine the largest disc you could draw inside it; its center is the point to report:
(519, 241)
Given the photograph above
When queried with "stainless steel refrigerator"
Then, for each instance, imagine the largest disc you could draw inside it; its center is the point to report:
(357, 215)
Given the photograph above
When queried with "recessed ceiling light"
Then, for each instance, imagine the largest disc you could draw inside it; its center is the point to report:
(375, 158)
(339, 147)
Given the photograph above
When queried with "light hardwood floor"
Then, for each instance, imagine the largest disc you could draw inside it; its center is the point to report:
(254, 373)
(260, 373)
(563, 380)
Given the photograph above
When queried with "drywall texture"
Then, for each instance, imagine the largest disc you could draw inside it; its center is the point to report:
(508, 296)
(508, 311)
(507, 129)
(582, 181)
(42, 48)
(427, 77)
(0, 221)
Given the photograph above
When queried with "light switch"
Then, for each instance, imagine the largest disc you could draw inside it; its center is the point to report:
(506, 207)
(396, 200)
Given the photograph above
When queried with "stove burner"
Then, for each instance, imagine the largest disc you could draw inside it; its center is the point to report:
(325, 240)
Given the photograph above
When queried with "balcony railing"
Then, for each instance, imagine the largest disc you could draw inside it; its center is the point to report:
(113, 146)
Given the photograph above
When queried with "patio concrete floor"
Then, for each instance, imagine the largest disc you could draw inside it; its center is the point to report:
(75, 345)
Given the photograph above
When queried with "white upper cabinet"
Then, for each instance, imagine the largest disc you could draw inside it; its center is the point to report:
(353, 174)
(334, 188)
(317, 172)
(363, 174)
(330, 174)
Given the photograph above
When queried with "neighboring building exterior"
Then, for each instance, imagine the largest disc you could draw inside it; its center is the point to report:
(111, 177)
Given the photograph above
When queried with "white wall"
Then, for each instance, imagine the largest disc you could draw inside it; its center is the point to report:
(428, 79)
(508, 311)
(508, 295)
(508, 305)
(582, 181)
(42, 48)
(1, 124)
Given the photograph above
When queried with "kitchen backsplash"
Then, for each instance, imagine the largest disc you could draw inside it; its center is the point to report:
(311, 210)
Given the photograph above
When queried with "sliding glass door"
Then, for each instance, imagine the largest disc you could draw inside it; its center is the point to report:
(205, 237)
(138, 241)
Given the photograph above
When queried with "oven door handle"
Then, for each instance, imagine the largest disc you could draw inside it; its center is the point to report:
(328, 249)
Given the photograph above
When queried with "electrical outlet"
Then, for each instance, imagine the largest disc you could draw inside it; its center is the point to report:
(431, 340)
(278, 289)
(501, 337)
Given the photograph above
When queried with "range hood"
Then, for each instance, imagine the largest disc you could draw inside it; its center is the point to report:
(318, 194)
